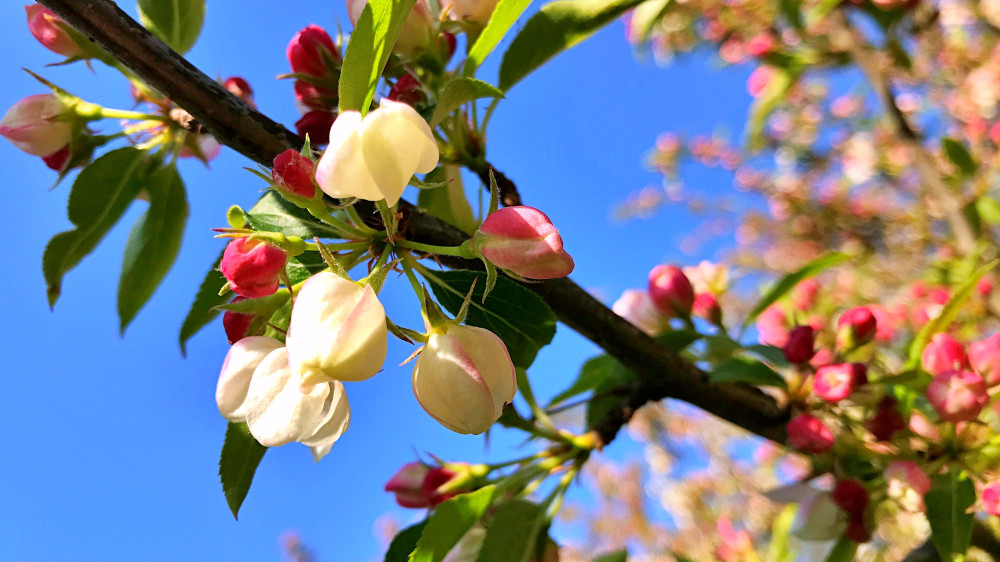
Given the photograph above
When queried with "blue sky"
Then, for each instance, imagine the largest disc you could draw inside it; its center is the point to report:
(111, 444)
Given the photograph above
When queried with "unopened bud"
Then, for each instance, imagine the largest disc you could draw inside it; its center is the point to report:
(48, 29)
(942, 354)
(308, 49)
(671, 290)
(252, 267)
(800, 348)
(856, 327)
(293, 173)
(523, 240)
(806, 433)
(35, 126)
(833, 383)
(317, 125)
(240, 88)
(984, 356)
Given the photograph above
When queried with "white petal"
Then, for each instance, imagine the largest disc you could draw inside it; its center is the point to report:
(234, 380)
(397, 143)
(490, 356)
(277, 410)
(337, 423)
(450, 389)
(341, 171)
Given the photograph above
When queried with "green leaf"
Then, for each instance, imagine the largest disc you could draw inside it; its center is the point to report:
(273, 213)
(595, 372)
(241, 454)
(678, 340)
(512, 533)
(645, 16)
(404, 543)
(449, 203)
(176, 22)
(767, 100)
(843, 550)
(617, 556)
(769, 353)
(820, 10)
(100, 195)
(947, 315)
(518, 316)
(304, 266)
(788, 282)
(948, 501)
(459, 91)
(988, 209)
(960, 156)
(368, 50)
(153, 243)
(203, 309)
(745, 369)
(504, 16)
(449, 522)
(555, 28)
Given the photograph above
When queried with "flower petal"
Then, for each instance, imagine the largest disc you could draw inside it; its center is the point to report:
(277, 411)
(234, 380)
(342, 171)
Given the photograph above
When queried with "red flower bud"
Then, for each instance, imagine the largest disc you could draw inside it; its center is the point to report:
(942, 354)
(294, 173)
(47, 28)
(850, 496)
(437, 477)
(416, 485)
(237, 324)
(856, 327)
(252, 267)
(984, 356)
(317, 125)
(857, 531)
(808, 434)
(240, 88)
(671, 290)
(706, 306)
(407, 90)
(315, 97)
(833, 383)
(991, 498)
(886, 421)
(305, 51)
(446, 43)
(799, 347)
(958, 396)
(524, 241)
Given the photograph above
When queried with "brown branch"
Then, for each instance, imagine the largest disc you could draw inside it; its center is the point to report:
(661, 373)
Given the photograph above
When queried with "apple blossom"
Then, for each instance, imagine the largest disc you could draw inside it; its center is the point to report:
(469, 10)
(337, 331)
(523, 240)
(237, 370)
(48, 29)
(991, 498)
(374, 158)
(670, 290)
(850, 496)
(984, 356)
(35, 126)
(907, 484)
(252, 266)
(856, 327)
(464, 377)
(280, 409)
(808, 434)
(635, 306)
(293, 173)
(942, 354)
(958, 396)
(833, 383)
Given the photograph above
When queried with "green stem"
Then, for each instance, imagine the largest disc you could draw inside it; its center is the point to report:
(354, 258)
(311, 246)
(353, 213)
(345, 230)
(107, 113)
(408, 263)
(462, 251)
(383, 257)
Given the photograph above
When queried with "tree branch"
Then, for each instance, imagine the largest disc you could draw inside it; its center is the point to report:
(661, 373)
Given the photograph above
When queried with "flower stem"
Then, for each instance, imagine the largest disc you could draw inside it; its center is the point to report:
(107, 113)
(462, 251)
(345, 230)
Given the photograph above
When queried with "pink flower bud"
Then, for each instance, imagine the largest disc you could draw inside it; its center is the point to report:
(237, 324)
(437, 477)
(252, 267)
(850, 496)
(759, 79)
(463, 378)
(635, 306)
(294, 174)
(991, 498)
(58, 160)
(408, 485)
(33, 124)
(317, 125)
(671, 290)
(760, 44)
(833, 383)
(856, 327)
(47, 28)
(706, 306)
(524, 241)
(984, 356)
(808, 434)
(805, 293)
(306, 52)
(312, 96)
(958, 395)
(772, 326)
(886, 421)
(907, 483)
(469, 10)
(942, 354)
(240, 88)
(799, 348)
